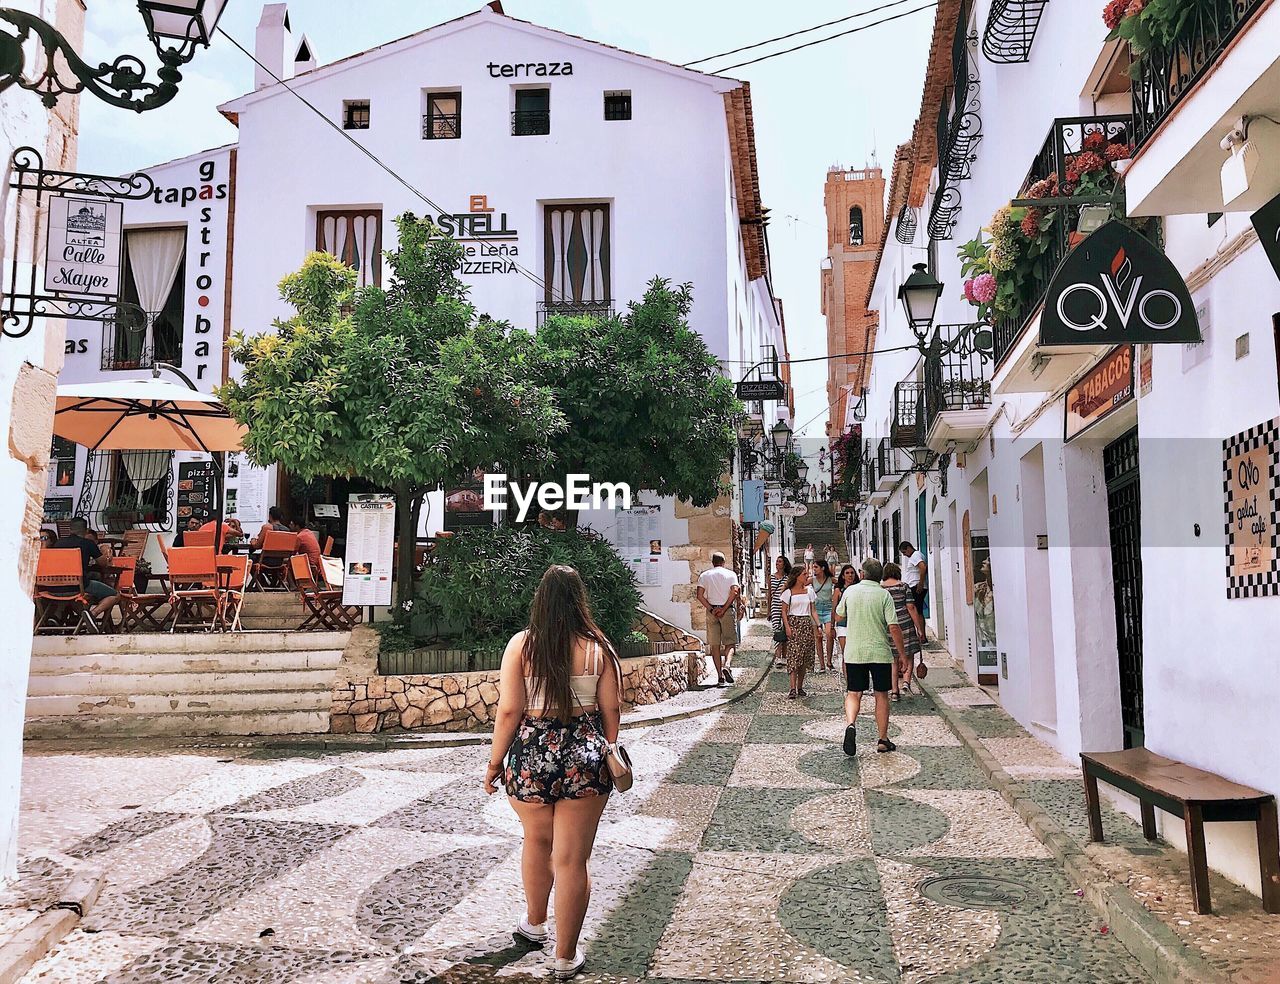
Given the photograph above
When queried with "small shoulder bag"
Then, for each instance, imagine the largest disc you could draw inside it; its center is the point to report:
(616, 759)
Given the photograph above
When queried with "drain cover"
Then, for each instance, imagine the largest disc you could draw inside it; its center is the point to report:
(980, 892)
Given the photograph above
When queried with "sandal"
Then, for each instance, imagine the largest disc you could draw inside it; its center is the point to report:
(895, 696)
(791, 695)
(885, 745)
(802, 692)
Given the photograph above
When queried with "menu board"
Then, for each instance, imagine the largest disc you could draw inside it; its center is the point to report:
(640, 542)
(195, 492)
(371, 537)
(1251, 486)
(246, 490)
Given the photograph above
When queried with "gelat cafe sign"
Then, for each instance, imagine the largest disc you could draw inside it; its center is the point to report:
(1266, 221)
(82, 247)
(1117, 288)
(1251, 486)
(1104, 389)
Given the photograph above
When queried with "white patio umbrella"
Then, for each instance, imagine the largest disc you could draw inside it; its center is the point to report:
(148, 415)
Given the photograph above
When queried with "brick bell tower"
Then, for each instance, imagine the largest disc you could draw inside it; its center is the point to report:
(854, 200)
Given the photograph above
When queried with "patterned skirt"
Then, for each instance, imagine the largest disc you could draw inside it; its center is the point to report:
(800, 647)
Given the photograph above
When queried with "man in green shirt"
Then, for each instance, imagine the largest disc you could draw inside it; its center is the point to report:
(873, 635)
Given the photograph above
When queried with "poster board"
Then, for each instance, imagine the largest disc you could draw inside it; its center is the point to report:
(246, 491)
(640, 542)
(1251, 497)
(371, 537)
(464, 507)
(195, 492)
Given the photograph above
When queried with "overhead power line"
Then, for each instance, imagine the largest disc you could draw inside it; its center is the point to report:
(796, 34)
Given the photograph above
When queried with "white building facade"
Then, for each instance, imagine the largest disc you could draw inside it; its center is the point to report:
(1078, 551)
(573, 173)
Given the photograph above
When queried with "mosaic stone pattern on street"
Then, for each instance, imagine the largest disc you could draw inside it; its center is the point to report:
(750, 849)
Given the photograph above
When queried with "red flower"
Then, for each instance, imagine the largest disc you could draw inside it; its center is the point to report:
(1095, 140)
(1135, 8)
(1073, 175)
(1118, 152)
(1114, 13)
(1088, 163)
(1031, 224)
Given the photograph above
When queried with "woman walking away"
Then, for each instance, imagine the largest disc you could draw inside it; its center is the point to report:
(823, 589)
(909, 621)
(802, 628)
(832, 558)
(781, 568)
(847, 579)
(558, 711)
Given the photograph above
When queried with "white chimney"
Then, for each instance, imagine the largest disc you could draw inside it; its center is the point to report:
(273, 46)
(305, 58)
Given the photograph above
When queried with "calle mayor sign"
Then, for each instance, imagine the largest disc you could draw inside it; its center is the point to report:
(1117, 288)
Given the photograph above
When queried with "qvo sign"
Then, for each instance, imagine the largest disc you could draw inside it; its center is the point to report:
(83, 247)
(1117, 288)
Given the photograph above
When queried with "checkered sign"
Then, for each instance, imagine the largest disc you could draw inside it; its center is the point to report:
(1251, 492)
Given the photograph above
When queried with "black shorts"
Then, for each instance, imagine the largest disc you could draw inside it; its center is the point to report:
(858, 676)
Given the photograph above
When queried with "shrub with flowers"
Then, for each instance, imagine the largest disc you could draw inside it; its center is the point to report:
(1151, 25)
(847, 451)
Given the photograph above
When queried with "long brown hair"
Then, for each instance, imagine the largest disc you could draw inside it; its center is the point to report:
(561, 615)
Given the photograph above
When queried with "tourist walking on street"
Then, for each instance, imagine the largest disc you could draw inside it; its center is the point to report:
(915, 573)
(832, 558)
(847, 579)
(911, 624)
(781, 568)
(718, 592)
(873, 638)
(558, 711)
(823, 589)
(801, 626)
(808, 557)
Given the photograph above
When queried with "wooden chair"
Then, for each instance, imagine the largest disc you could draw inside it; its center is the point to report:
(233, 577)
(135, 543)
(64, 528)
(193, 588)
(61, 602)
(137, 611)
(328, 613)
(271, 569)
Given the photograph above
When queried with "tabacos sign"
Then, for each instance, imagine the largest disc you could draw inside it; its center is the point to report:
(1117, 288)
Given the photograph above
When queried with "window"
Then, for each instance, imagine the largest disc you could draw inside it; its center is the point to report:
(576, 251)
(532, 116)
(147, 326)
(355, 237)
(355, 114)
(617, 105)
(443, 117)
(127, 489)
(855, 226)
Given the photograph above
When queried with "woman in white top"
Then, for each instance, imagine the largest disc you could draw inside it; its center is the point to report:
(801, 623)
(558, 711)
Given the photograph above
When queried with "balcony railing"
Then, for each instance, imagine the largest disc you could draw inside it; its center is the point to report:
(128, 344)
(442, 126)
(530, 122)
(907, 428)
(957, 380)
(575, 309)
(1162, 78)
(1011, 30)
(889, 460)
(959, 130)
(1065, 140)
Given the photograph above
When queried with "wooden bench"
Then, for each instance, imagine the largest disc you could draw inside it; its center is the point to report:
(1196, 796)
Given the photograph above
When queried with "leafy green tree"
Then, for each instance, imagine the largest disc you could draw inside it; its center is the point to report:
(404, 387)
(644, 398)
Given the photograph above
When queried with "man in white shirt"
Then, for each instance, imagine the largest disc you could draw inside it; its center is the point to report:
(915, 573)
(718, 592)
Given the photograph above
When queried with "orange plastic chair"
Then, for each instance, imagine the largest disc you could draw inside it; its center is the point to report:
(271, 569)
(327, 549)
(193, 588)
(137, 611)
(233, 576)
(61, 602)
(328, 613)
(197, 538)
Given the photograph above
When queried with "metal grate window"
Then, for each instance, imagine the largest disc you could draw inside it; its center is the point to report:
(1120, 461)
(355, 114)
(617, 105)
(443, 118)
(532, 116)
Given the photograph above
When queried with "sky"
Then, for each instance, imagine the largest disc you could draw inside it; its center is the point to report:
(837, 103)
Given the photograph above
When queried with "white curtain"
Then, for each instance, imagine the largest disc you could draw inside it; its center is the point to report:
(154, 258)
(145, 468)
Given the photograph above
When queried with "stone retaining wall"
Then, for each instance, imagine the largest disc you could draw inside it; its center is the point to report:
(364, 702)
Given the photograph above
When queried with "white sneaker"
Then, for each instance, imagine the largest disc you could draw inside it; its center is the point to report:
(530, 933)
(567, 969)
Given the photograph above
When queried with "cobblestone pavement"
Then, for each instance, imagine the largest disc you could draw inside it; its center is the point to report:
(750, 849)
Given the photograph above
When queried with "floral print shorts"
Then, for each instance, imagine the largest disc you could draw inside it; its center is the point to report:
(554, 760)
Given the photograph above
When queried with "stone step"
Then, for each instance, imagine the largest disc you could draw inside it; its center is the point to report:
(189, 642)
(179, 683)
(294, 722)
(118, 705)
(135, 663)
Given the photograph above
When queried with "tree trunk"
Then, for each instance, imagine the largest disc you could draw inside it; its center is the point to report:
(406, 530)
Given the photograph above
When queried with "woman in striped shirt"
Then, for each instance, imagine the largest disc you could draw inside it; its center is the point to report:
(780, 571)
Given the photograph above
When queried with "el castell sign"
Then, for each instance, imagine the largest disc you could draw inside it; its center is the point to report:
(1117, 288)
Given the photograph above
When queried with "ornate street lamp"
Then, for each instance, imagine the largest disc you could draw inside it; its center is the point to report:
(919, 297)
(177, 28)
(802, 470)
(781, 434)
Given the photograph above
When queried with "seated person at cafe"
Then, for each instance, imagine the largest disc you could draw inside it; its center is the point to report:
(230, 532)
(192, 526)
(275, 524)
(309, 544)
(93, 559)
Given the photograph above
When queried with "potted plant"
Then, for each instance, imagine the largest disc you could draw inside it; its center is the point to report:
(121, 514)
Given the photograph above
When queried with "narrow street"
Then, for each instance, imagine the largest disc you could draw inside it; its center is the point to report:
(751, 849)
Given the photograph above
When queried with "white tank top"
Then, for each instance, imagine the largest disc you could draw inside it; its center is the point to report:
(582, 687)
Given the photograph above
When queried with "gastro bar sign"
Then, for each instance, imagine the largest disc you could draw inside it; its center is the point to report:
(762, 389)
(83, 247)
(1107, 387)
(1117, 288)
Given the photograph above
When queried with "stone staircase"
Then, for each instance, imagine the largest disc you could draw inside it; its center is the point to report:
(250, 683)
(819, 526)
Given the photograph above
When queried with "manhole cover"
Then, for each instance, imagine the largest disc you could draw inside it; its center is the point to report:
(980, 892)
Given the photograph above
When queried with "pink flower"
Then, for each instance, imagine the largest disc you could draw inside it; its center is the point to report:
(984, 288)
(968, 292)
(1135, 8)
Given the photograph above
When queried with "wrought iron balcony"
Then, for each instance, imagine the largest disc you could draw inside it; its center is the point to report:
(1162, 78)
(128, 344)
(530, 122)
(907, 428)
(1065, 140)
(442, 126)
(575, 309)
(955, 381)
(891, 463)
(1011, 30)
(959, 130)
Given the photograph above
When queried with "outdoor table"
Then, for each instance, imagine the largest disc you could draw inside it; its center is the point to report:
(241, 546)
